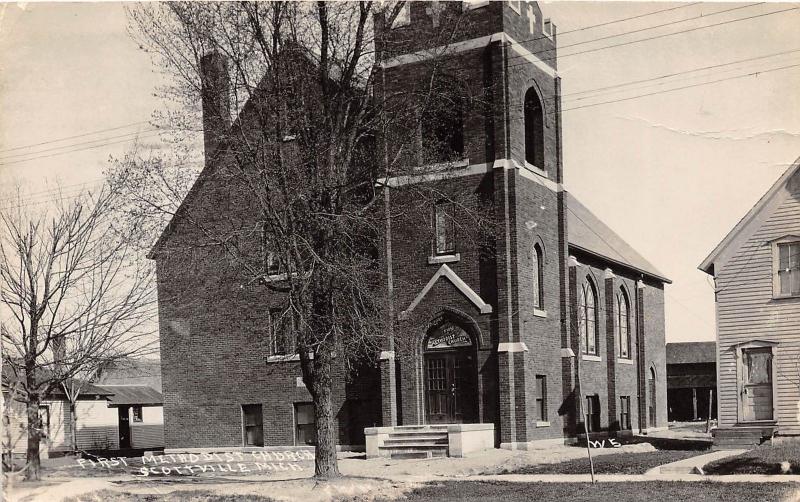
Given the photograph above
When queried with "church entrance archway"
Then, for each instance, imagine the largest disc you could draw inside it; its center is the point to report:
(451, 390)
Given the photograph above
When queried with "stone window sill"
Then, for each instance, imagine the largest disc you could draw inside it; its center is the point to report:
(445, 258)
(277, 277)
(443, 166)
(288, 358)
(590, 357)
(539, 313)
(475, 4)
(530, 167)
(623, 360)
(542, 424)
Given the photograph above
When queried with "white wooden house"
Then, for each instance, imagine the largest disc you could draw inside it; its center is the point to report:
(756, 269)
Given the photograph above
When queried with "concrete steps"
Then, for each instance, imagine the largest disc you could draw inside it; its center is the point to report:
(735, 438)
(416, 442)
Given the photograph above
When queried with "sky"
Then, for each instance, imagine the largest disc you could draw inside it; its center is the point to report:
(671, 172)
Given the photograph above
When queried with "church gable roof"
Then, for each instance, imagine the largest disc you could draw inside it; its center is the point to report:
(588, 233)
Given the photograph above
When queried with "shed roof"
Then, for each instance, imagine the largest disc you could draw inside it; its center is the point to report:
(588, 233)
(133, 394)
(691, 352)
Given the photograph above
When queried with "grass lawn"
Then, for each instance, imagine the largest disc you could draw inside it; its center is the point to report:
(654, 491)
(766, 459)
(614, 463)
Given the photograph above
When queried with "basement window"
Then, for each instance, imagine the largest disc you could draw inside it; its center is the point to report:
(593, 413)
(304, 424)
(253, 425)
(625, 413)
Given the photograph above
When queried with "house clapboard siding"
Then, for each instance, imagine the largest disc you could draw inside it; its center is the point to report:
(746, 309)
(149, 433)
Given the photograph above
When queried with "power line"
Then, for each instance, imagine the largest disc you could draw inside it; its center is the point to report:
(147, 136)
(668, 75)
(670, 23)
(754, 73)
(655, 37)
(73, 137)
(616, 87)
(682, 6)
(53, 194)
(611, 89)
(55, 148)
(50, 190)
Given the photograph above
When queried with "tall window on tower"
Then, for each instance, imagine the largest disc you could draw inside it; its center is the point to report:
(623, 325)
(442, 124)
(538, 288)
(445, 228)
(587, 318)
(534, 129)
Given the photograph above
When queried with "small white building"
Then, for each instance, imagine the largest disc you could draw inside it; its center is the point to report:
(108, 416)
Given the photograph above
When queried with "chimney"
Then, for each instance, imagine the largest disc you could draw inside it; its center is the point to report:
(216, 101)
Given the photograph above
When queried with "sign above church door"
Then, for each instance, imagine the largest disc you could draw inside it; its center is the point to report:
(449, 336)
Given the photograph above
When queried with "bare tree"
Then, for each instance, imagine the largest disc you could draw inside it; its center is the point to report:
(75, 296)
(303, 163)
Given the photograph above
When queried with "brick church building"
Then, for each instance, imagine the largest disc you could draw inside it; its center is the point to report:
(560, 328)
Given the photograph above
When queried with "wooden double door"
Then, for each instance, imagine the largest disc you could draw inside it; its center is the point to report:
(451, 395)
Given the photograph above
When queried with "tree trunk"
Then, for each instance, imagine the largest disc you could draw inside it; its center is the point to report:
(73, 417)
(325, 464)
(34, 435)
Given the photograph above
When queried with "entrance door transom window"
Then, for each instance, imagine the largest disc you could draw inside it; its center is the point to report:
(450, 376)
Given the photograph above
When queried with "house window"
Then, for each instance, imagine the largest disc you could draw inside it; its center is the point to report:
(44, 421)
(304, 424)
(136, 410)
(625, 412)
(786, 261)
(587, 318)
(445, 228)
(253, 424)
(623, 325)
(534, 129)
(281, 335)
(538, 287)
(593, 413)
(541, 398)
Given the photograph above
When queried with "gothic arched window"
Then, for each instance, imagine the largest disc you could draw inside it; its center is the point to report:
(623, 325)
(534, 129)
(587, 318)
(538, 277)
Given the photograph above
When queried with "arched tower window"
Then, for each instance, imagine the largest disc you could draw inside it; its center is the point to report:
(587, 318)
(538, 277)
(534, 129)
(623, 325)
